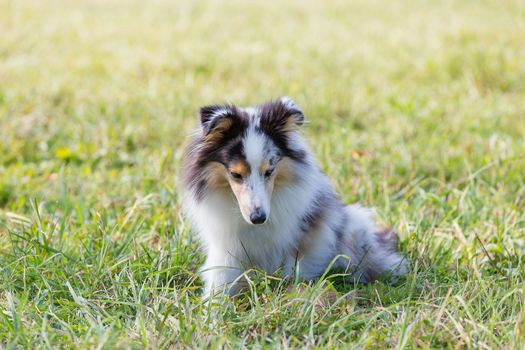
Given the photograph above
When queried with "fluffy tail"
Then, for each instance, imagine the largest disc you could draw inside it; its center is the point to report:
(373, 252)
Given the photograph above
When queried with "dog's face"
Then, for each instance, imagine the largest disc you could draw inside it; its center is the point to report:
(251, 177)
(249, 152)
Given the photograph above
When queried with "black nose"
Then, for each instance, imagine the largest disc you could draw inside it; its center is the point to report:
(258, 216)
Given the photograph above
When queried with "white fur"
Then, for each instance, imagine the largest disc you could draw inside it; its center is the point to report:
(254, 147)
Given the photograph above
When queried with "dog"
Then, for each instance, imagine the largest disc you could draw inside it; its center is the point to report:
(257, 198)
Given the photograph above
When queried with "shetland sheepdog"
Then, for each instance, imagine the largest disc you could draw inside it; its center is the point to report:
(258, 200)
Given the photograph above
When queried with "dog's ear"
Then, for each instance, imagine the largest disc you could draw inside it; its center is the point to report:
(216, 118)
(295, 113)
(281, 116)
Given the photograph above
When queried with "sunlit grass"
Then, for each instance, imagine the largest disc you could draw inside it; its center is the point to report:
(416, 108)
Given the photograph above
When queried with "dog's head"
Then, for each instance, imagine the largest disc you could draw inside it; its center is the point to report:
(248, 151)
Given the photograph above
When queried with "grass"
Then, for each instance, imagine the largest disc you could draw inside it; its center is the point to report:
(415, 107)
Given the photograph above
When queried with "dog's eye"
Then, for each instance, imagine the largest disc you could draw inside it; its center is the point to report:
(268, 173)
(235, 175)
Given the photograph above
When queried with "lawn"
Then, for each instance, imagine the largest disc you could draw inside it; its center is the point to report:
(415, 107)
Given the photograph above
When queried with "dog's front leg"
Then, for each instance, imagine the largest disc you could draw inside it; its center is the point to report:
(221, 273)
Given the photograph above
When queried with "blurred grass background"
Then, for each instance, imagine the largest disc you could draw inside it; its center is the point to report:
(414, 107)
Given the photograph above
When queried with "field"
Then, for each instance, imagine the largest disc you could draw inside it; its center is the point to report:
(415, 107)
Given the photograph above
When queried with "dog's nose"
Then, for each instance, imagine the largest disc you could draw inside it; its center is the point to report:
(258, 216)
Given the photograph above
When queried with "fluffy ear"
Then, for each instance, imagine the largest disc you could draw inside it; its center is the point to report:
(293, 109)
(281, 116)
(216, 118)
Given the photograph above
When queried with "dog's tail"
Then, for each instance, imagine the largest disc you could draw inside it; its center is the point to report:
(373, 252)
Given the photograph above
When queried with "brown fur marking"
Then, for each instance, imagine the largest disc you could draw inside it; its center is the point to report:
(240, 167)
(217, 178)
(308, 240)
(216, 134)
(265, 166)
(284, 172)
(387, 237)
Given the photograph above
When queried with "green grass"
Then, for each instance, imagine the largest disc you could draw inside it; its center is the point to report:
(415, 107)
